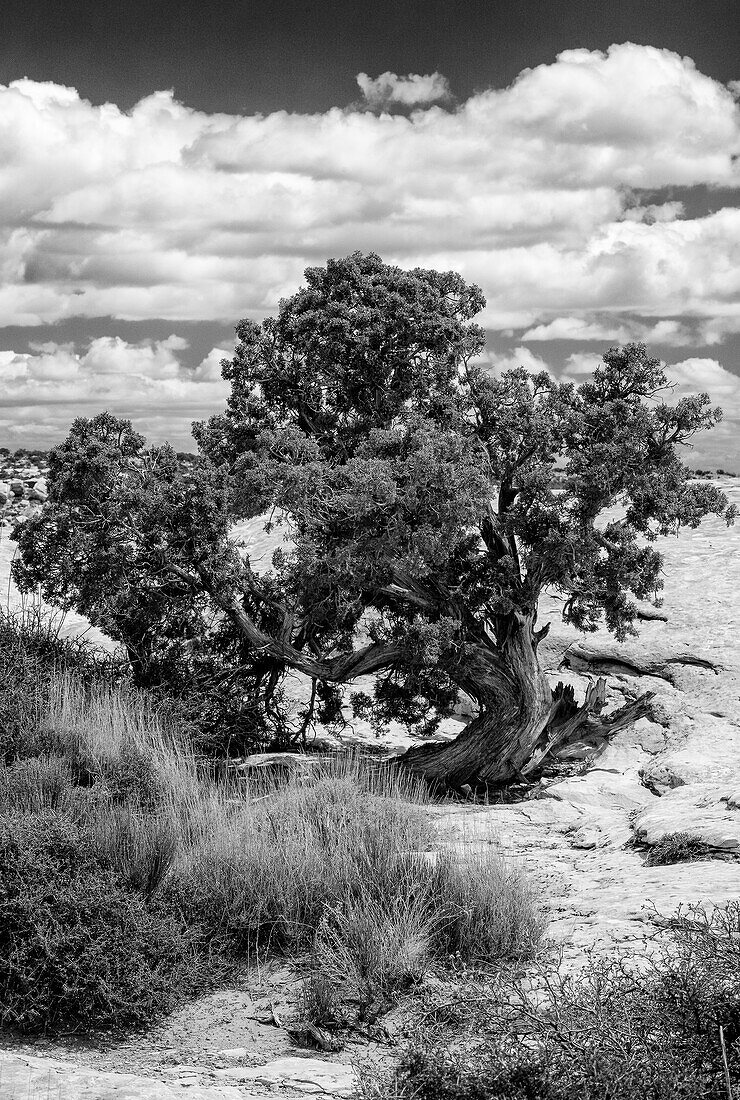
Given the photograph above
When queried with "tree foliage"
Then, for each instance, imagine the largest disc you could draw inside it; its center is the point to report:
(415, 492)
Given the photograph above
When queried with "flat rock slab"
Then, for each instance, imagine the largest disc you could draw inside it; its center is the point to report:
(706, 811)
(311, 1076)
(23, 1077)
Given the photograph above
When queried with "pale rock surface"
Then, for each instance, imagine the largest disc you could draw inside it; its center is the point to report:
(22, 1077)
(709, 753)
(707, 811)
(309, 1075)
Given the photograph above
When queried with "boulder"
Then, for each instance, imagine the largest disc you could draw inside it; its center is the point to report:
(17, 488)
(706, 811)
(38, 491)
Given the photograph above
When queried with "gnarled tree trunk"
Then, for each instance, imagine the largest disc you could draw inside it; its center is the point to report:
(521, 720)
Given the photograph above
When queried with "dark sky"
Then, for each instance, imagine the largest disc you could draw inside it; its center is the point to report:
(302, 55)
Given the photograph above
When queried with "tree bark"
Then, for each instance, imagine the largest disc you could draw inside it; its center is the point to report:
(521, 721)
(515, 701)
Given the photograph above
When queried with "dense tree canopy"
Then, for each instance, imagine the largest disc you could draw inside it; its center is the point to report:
(415, 490)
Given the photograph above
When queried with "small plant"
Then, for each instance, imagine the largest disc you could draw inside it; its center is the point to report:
(32, 653)
(488, 908)
(37, 784)
(319, 1002)
(676, 848)
(140, 847)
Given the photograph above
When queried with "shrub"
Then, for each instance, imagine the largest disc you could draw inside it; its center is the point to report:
(623, 1029)
(368, 948)
(76, 947)
(319, 999)
(676, 848)
(487, 908)
(37, 784)
(115, 739)
(141, 847)
(269, 869)
(330, 865)
(32, 653)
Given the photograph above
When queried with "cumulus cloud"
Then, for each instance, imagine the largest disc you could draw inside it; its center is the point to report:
(578, 328)
(498, 362)
(702, 375)
(389, 90)
(607, 330)
(148, 382)
(171, 213)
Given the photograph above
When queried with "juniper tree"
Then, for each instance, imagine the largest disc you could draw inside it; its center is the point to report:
(415, 490)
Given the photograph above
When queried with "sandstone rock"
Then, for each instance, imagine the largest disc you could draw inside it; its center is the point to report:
(702, 810)
(601, 791)
(234, 1054)
(586, 838)
(308, 1075)
(710, 753)
(22, 1076)
(38, 491)
(17, 488)
(650, 736)
(648, 611)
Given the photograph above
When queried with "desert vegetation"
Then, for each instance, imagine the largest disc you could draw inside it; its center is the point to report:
(132, 876)
(659, 1027)
(425, 506)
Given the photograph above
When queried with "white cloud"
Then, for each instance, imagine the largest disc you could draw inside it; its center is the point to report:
(578, 328)
(147, 382)
(609, 330)
(697, 375)
(413, 90)
(498, 362)
(532, 191)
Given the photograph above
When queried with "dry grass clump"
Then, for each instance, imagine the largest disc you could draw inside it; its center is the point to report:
(335, 861)
(490, 908)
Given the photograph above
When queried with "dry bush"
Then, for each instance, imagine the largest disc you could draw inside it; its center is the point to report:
(623, 1028)
(368, 947)
(336, 860)
(676, 848)
(269, 866)
(37, 784)
(117, 738)
(140, 847)
(76, 947)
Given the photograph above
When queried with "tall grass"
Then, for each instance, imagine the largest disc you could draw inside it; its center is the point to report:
(336, 863)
